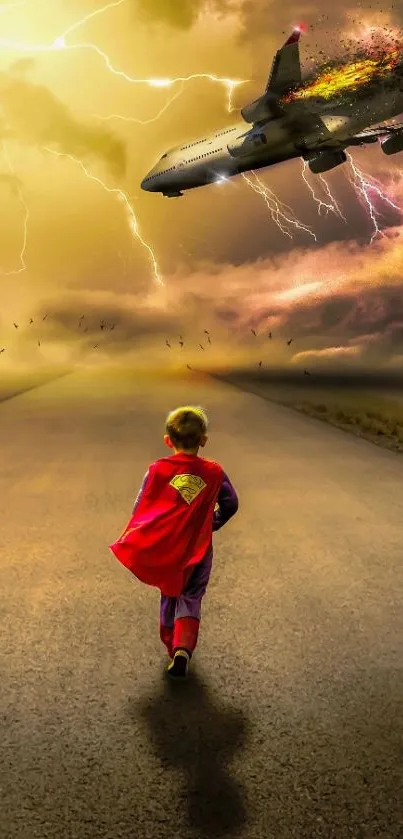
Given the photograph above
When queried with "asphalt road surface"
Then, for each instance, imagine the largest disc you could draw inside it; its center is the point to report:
(291, 724)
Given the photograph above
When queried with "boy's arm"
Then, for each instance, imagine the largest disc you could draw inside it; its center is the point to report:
(227, 504)
(141, 490)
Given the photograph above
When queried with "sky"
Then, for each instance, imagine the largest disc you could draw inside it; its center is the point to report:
(95, 271)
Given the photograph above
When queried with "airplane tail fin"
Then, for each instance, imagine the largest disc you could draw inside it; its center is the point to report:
(285, 74)
(286, 68)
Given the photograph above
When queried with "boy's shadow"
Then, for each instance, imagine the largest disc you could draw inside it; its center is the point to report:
(188, 731)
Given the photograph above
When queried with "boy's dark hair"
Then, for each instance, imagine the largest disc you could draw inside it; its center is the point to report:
(186, 426)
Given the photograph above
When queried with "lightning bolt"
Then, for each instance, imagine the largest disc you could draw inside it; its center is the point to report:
(333, 207)
(132, 221)
(26, 218)
(275, 206)
(229, 84)
(113, 5)
(365, 184)
(59, 44)
(332, 198)
(141, 121)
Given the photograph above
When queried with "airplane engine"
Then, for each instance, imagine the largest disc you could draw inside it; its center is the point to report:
(393, 144)
(245, 146)
(326, 161)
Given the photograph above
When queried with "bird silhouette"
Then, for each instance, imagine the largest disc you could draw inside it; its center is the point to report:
(31, 321)
(253, 332)
(168, 344)
(289, 342)
(102, 324)
(3, 350)
(95, 346)
(112, 327)
(306, 373)
(188, 366)
(180, 341)
(260, 363)
(206, 332)
(39, 343)
(44, 317)
(209, 339)
(270, 336)
(16, 325)
(202, 348)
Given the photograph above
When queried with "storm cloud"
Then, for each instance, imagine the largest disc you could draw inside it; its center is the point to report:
(12, 181)
(227, 267)
(182, 14)
(35, 116)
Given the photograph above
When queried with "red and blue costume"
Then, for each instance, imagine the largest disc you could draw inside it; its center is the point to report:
(168, 540)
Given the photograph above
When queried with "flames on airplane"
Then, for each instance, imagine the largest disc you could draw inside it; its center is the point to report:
(352, 76)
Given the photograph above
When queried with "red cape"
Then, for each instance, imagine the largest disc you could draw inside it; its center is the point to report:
(171, 527)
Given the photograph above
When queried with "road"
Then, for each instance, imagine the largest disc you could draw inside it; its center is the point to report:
(291, 724)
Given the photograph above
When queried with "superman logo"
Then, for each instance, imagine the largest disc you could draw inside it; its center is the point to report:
(188, 486)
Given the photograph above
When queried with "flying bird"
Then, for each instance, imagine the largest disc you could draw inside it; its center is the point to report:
(260, 363)
(180, 341)
(209, 339)
(102, 324)
(45, 316)
(306, 373)
(168, 344)
(95, 346)
(270, 336)
(31, 321)
(253, 332)
(202, 348)
(3, 350)
(39, 343)
(16, 325)
(113, 326)
(206, 332)
(289, 342)
(188, 366)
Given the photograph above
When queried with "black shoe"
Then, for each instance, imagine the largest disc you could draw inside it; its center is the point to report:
(178, 668)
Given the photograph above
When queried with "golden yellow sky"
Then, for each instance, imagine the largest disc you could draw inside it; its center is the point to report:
(225, 265)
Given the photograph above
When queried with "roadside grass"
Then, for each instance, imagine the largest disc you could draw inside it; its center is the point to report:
(376, 415)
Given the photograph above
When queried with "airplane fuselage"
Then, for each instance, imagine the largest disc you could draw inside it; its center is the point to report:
(225, 154)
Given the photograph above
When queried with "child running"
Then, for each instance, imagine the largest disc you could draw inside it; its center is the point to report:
(168, 540)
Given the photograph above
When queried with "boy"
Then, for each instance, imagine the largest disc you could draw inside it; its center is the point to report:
(168, 541)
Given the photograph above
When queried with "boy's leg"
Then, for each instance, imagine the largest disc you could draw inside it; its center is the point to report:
(167, 618)
(188, 607)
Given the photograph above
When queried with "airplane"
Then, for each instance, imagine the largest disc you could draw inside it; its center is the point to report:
(316, 130)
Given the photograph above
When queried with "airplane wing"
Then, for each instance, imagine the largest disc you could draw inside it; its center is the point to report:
(371, 134)
(368, 135)
(286, 68)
